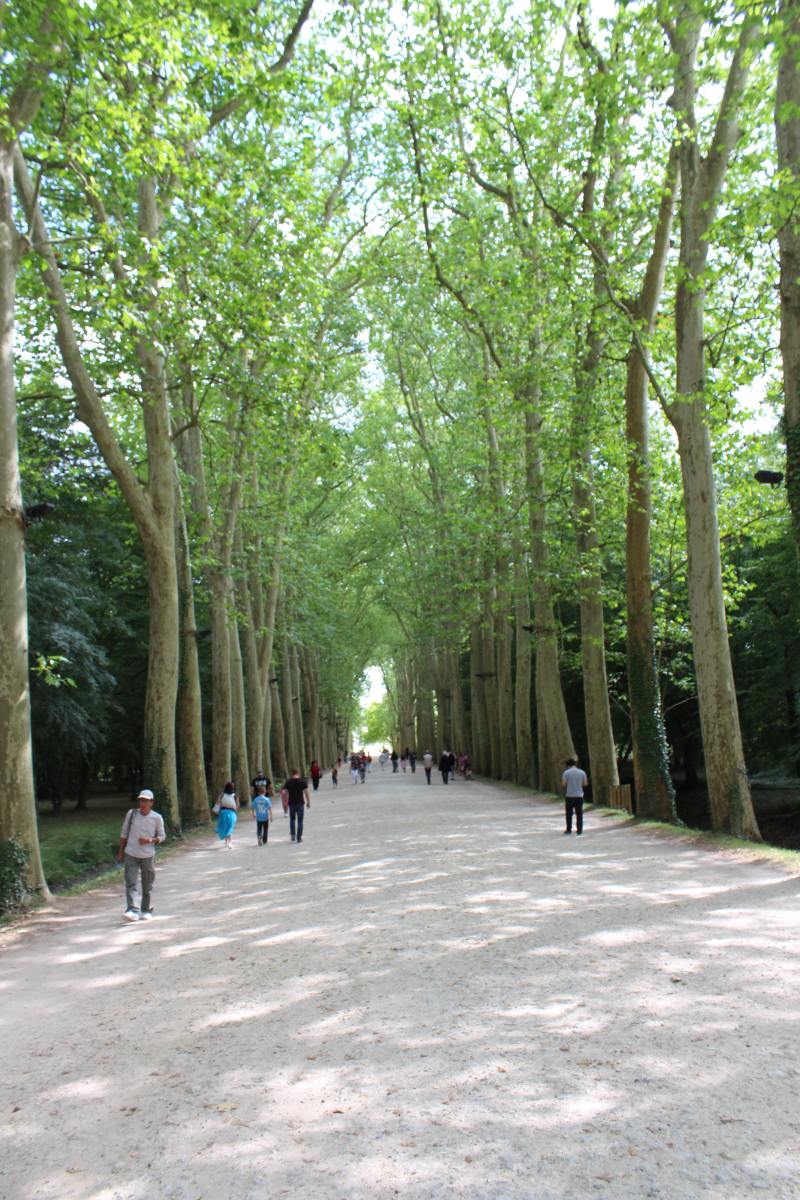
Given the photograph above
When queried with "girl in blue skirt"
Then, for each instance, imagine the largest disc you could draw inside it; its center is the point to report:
(226, 820)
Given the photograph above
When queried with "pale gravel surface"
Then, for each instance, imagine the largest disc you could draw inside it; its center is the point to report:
(435, 995)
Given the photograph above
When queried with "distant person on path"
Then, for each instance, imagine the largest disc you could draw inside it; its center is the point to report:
(262, 813)
(393, 757)
(354, 767)
(296, 791)
(452, 758)
(444, 766)
(227, 807)
(412, 761)
(260, 777)
(383, 758)
(427, 764)
(573, 781)
(362, 767)
(316, 774)
(404, 761)
(335, 776)
(142, 830)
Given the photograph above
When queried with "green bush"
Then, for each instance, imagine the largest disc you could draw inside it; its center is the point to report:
(72, 851)
(13, 861)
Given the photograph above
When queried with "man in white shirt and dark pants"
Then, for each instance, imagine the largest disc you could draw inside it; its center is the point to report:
(142, 830)
(573, 781)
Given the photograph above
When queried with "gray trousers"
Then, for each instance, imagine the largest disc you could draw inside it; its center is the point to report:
(132, 868)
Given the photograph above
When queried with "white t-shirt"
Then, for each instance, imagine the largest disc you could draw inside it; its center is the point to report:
(576, 781)
(137, 825)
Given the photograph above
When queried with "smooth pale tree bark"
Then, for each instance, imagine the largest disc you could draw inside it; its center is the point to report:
(18, 819)
(458, 723)
(502, 627)
(701, 183)
(263, 608)
(297, 706)
(152, 505)
(288, 708)
(277, 740)
(554, 739)
(787, 132)
(523, 729)
(18, 816)
(404, 692)
(490, 677)
(311, 726)
(189, 719)
(217, 525)
(426, 730)
(481, 752)
(240, 765)
(254, 690)
(597, 709)
(655, 795)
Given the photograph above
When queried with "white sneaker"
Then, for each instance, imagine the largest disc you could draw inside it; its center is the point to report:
(130, 915)
(146, 916)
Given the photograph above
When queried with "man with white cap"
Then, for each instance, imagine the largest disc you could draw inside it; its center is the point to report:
(142, 830)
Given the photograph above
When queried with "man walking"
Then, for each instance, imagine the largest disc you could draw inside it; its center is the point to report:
(142, 831)
(295, 793)
(427, 763)
(573, 781)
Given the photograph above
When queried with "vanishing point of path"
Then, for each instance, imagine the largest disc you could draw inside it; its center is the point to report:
(436, 995)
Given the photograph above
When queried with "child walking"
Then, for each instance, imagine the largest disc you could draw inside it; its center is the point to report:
(262, 813)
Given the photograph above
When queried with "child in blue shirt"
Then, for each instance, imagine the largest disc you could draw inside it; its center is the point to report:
(262, 812)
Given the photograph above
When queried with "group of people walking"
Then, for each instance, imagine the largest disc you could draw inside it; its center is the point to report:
(143, 829)
(294, 795)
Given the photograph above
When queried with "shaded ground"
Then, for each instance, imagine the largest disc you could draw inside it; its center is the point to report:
(435, 995)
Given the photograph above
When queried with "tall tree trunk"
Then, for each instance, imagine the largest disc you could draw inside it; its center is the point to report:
(268, 761)
(311, 722)
(151, 506)
(297, 707)
(18, 818)
(525, 764)
(288, 707)
(599, 731)
(490, 682)
(218, 567)
(701, 183)
(655, 795)
(787, 130)
(278, 751)
(480, 724)
(426, 731)
(250, 607)
(191, 757)
(460, 742)
(240, 765)
(553, 733)
(501, 615)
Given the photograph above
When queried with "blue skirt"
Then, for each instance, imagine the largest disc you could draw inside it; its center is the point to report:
(226, 823)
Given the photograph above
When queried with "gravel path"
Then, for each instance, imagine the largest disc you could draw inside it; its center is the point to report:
(436, 995)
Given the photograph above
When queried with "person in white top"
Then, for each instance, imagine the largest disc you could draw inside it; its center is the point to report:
(142, 831)
(573, 781)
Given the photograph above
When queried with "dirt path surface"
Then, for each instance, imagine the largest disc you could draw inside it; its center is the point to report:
(436, 995)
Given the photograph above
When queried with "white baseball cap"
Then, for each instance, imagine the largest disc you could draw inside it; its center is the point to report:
(145, 794)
